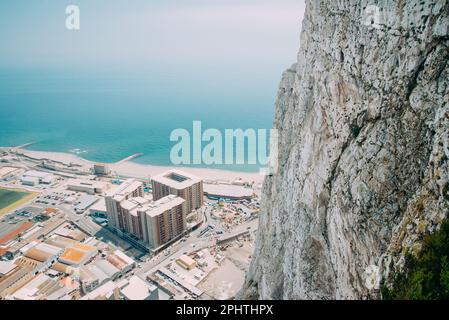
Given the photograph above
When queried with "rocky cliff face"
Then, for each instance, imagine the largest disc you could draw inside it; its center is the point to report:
(363, 120)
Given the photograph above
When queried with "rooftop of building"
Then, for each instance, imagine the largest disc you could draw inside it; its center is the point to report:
(185, 259)
(7, 170)
(35, 173)
(84, 247)
(123, 257)
(91, 273)
(121, 191)
(16, 275)
(67, 232)
(29, 263)
(160, 206)
(14, 233)
(176, 179)
(51, 249)
(102, 292)
(227, 191)
(87, 183)
(85, 202)
(33, 180)
(61, 267)
(133, 203)
(101, 164)
(60, 294)
(73, 255)
(6, 267)
(77, 253)
(38, 286)
(38, 255)
(128, 204)
(120, 260)
(108, 268)
(141, 200)
(150, 207)
(61, 242)
(99, 206)
(137, 289)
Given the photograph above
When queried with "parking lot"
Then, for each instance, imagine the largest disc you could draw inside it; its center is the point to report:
(52, 199)
(9, 222)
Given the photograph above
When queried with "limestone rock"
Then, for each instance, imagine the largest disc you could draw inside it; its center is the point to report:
(363, 120)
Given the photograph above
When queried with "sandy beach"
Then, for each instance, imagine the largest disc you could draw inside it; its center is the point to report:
(144, 171)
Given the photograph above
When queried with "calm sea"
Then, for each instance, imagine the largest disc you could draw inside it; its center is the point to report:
(107, 117)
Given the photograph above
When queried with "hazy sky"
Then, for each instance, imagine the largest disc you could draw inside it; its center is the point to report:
(151, 35)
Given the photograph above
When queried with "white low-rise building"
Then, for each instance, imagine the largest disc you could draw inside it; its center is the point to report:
(99, 209)
(33, 178)
(108, 291)
(232, 192)
(6, 267)
(30, 181)
(139, 289)
(96, 274)
(87, 186)
(85, 202)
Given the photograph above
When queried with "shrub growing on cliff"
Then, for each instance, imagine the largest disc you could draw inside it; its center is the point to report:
(427, 274)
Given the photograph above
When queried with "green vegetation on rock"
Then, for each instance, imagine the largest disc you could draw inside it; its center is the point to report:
(426, 275)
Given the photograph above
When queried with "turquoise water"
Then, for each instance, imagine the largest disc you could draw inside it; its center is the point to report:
(107, 117)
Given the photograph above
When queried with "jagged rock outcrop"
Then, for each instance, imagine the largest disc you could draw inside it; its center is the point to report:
(363, 120)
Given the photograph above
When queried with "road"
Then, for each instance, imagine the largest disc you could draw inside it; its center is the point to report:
(86, 224)
(194, 242)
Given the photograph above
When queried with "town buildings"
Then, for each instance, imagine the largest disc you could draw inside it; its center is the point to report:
(34, 178)
(152, 223)
(181, 184)
(87, 186)
(101, 169)
(116, 216)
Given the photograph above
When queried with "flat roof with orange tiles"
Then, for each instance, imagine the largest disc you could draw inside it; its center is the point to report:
(84, 247)
(38, 255)
(13, 234)
(73, 255)
(61, 267)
